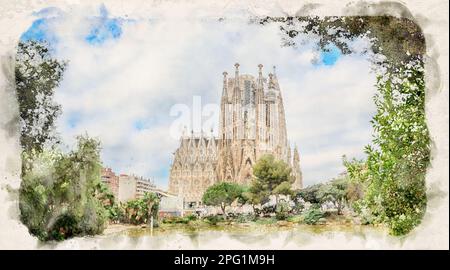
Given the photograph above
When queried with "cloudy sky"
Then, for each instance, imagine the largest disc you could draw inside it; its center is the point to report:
(128, 80)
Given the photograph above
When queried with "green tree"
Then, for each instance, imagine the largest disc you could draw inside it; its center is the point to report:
(272, 177)
(152, 200)
(139, 211)
(222, 194)
(37, 76)
(400, 154)
(255, 195)
(105, 195)
(310, 194)
(354, 192)
(285, 188)
(335, 192)
(58, 196)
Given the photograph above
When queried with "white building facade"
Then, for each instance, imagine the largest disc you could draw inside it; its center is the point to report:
(133, 187)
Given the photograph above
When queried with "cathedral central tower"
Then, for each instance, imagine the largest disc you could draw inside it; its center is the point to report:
(252, 123)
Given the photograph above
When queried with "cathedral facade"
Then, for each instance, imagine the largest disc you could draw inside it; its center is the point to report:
(252, 123)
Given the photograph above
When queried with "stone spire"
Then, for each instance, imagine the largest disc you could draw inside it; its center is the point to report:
(237, 105)
(184, 137)
(296, 155)
(289, 157)
(271, 81)
(201, 134)
(260, 86)
(202, 143)
(275, 79)
(223, 104)
(191, 139)
(237, 90)
(212, 140)
(225, 87)
(297, 173)
(259, 102)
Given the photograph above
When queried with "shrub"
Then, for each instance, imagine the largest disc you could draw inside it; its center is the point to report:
(65, 226)
(295, 219)
(244, 218)
(282, 210)
(364, 213)
(176, 220)
(313, 215)
(191, 217)
(401, 225)
(214, 219)
(115, 213)
(137, 211)
(298, 207)
(268, 209)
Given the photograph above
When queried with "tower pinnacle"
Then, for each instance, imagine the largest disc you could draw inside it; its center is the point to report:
(271, 84)
(225, 87)
(237, 91)
(259, 86)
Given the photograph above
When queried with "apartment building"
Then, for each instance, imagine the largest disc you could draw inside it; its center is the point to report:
(133, 187)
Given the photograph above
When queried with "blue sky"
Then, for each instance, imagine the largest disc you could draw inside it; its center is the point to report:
(125, 75)
(103, 27)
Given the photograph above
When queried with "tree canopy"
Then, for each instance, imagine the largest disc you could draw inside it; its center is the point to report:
(310, 194)
(222, 194)
(60, 195)
(399, 155)
(335, 192)
(400, 40)
(37, 76)
(272, 175)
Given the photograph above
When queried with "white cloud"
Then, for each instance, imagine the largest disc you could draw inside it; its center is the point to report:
(328, 111)
(158, 63)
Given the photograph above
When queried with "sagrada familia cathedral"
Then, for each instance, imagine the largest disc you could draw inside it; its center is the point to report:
(252, 123)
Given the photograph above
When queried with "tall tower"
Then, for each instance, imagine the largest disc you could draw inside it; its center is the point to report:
(224, 106)
(259, 105)
(237, 104)
(257, 124)
(297, 173)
